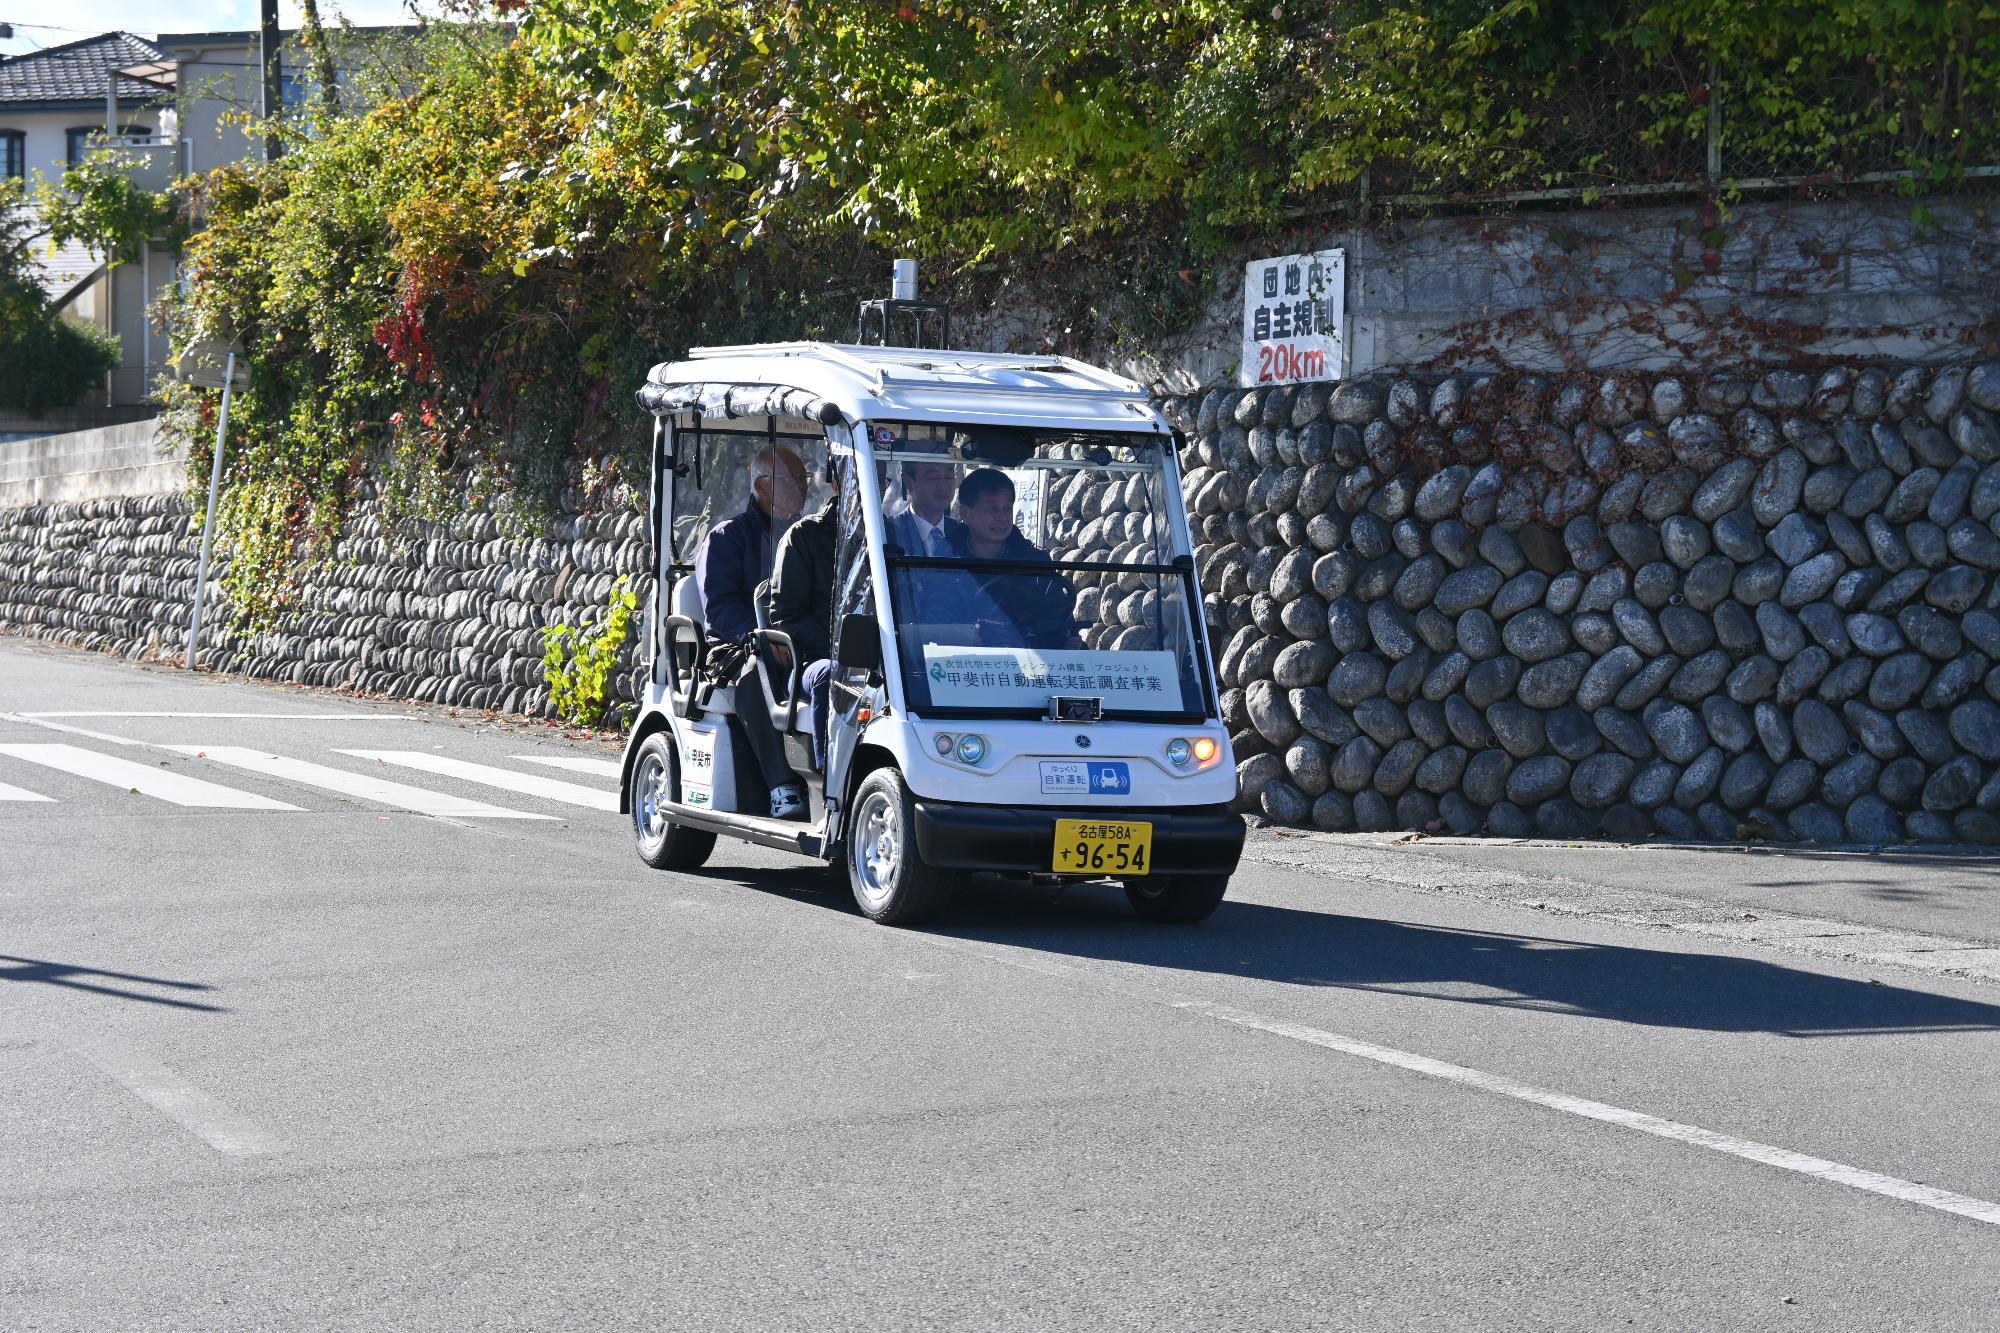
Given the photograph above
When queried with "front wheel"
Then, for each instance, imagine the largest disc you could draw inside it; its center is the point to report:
(1179, 900)
(663, 844)
(891, 883)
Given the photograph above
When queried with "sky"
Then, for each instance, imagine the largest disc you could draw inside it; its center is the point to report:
(39, 23)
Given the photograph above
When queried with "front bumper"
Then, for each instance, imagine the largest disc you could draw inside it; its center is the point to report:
(1198, 840)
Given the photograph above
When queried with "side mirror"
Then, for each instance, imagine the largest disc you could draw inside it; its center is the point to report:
(860, 642)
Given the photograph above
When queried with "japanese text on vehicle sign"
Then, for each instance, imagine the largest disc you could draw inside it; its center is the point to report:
(966, 677)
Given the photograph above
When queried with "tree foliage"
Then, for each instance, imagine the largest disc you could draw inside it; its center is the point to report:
(46, 360)
(468, 279)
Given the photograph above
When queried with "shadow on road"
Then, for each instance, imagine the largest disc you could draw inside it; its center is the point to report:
(1652, 987)
(70, 976)
(1886, 875)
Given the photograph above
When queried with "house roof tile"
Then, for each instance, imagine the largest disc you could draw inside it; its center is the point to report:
(75, 72)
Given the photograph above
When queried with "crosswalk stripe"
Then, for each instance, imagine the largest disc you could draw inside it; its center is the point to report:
(339, 780)
(603, 768)
(527, 783)
(10, 793)
(146, 779)
(530, 784)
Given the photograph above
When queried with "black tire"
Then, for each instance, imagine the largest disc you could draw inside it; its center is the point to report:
(889, 880)
(1178, 900)
(663, 844)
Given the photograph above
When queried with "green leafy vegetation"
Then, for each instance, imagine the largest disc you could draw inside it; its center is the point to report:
(577, 661)
(98, 204)
(457, 288)
(46, 360)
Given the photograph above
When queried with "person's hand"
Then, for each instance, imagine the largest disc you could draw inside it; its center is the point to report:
(781, 655)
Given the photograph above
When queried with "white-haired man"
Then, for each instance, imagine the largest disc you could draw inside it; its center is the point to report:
(737, 556)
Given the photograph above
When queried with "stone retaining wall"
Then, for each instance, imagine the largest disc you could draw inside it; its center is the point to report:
(1716, 608)
(448, 613)
(1729, 607)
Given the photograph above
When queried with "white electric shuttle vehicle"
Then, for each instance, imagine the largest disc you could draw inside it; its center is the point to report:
(1045, 712)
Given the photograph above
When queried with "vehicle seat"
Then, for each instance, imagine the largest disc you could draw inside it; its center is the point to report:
(789, 713)
(687, 647)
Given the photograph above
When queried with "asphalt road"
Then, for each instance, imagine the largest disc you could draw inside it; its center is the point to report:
(301, 1057)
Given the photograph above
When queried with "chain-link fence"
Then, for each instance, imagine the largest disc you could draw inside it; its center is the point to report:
(1623, 131)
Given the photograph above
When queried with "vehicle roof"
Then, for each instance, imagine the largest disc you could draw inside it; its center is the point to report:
(898, 383)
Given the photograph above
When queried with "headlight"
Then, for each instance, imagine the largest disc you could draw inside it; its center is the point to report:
(971, 749)
(1179, 752)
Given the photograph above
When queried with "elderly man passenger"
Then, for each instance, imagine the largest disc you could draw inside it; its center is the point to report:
(738, 555)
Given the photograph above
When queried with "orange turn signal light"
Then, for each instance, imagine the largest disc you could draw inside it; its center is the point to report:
(1204, 749)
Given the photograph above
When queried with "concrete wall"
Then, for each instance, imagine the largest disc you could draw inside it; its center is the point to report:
(1642, 289)
(119, 460)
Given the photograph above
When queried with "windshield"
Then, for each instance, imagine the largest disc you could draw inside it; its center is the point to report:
(1028, 565)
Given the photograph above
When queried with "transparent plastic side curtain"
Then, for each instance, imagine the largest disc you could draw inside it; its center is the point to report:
(853, 594)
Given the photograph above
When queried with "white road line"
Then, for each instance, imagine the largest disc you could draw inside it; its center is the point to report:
(529, 784)
(272, 717)
(352, 784)
(1854, 1177)
(146, 779)
(603, 768)
(1837, 1173)
(70, 729)
(222, 1128)
(8, 793)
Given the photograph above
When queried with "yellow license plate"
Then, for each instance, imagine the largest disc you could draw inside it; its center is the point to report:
(1103, 847)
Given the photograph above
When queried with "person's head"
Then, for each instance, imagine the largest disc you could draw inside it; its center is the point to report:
(986, 506)
(929, 486)
(778, 483)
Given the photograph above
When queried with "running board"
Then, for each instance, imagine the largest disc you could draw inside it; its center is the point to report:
(785, 835)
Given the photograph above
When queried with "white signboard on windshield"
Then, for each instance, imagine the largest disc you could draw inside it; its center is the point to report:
(1294, 319)
(964, 677)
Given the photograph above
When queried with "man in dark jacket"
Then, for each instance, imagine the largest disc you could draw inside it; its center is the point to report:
(1012, 609)
(799, 601)
(736, 557)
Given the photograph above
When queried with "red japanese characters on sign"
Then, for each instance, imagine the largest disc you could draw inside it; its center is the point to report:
(1294, 318)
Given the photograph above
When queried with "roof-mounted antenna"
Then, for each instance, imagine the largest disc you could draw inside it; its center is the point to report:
(924, 315)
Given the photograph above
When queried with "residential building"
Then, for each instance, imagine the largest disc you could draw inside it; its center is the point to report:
(172, 106)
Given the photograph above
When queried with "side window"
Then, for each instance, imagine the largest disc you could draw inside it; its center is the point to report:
(13, 154)
(81, 140)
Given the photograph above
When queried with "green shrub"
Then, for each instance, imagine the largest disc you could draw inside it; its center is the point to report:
(577, 661)
(46, 360)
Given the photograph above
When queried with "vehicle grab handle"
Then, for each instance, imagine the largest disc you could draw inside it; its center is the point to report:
(794, 679)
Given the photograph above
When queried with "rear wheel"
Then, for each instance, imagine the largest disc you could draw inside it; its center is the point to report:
(663, 844)
(890, 881)
(1179, 900)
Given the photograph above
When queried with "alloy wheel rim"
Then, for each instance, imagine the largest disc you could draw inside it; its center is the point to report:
(651, 785)
(878, 849)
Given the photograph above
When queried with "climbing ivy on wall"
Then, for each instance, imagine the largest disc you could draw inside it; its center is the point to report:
(467, 278)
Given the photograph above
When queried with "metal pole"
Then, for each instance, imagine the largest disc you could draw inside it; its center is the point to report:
(1714, 129)
(208, 524)
(270, 103)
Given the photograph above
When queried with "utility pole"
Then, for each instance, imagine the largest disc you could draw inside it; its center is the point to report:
(270, 103)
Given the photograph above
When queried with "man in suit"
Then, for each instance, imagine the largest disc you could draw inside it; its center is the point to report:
(925, 526)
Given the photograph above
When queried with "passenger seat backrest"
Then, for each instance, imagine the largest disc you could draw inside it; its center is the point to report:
(687, 600)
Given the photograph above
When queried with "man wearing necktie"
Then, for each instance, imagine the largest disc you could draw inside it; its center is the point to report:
(925, 526)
